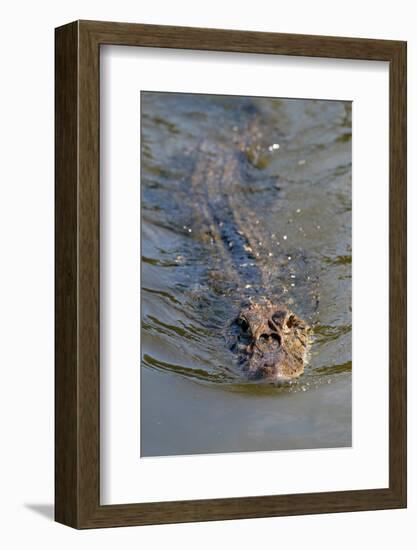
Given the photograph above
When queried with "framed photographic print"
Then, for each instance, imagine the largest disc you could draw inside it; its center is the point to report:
(230, 274)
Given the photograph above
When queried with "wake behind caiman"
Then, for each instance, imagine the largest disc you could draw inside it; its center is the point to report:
(269, 340)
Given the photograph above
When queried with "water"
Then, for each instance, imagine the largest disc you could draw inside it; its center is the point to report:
(194, 398)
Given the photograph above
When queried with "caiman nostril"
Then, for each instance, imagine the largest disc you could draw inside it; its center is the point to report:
(264, 337)
(276, 337)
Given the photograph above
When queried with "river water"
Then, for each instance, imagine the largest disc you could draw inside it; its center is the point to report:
(194, 398)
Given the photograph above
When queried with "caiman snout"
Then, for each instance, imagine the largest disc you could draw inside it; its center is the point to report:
(271, 341)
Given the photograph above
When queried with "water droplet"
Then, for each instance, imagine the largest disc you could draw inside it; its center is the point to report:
(285, 237)
(274, 147)
(289, 257)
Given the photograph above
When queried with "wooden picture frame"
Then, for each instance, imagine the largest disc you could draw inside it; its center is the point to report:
(77, 374)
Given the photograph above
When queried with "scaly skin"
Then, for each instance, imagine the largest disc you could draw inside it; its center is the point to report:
(270, 341)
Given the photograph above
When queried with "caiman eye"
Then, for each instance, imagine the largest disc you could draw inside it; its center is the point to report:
(243, 324)
(292, 321)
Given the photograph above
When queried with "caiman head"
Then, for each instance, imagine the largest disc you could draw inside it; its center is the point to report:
(271, 342)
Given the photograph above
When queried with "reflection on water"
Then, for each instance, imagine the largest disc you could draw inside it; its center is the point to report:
(193, 396)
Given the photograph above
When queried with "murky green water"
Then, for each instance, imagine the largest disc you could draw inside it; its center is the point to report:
(193, 396)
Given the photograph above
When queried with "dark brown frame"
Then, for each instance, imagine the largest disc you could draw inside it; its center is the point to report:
(77, 373)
